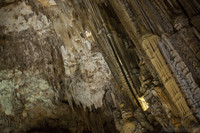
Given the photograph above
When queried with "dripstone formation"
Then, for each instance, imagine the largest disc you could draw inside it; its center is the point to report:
(99, 66)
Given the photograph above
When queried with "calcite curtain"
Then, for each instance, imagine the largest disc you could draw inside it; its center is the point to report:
(128, 66)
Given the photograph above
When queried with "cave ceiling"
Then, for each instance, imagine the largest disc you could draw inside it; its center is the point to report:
(99, 66)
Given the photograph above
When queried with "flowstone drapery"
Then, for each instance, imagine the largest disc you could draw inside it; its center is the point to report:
(99, 66)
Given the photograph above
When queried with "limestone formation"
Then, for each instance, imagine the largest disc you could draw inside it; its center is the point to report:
(100, 66)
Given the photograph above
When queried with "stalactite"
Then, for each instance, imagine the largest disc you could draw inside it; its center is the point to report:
(99, 66)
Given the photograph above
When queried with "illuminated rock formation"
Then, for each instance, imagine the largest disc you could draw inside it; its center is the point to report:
(128, 66)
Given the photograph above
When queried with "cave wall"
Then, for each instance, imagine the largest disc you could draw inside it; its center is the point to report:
(52, 74)
(152, 49)
(99, 66)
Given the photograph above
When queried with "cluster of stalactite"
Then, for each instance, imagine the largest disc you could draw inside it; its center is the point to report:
(52, 76)
(152, 48)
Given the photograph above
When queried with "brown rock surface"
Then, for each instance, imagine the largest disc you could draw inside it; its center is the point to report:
(79, 66)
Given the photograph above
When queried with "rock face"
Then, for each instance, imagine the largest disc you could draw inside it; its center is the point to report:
(99, 66)
(49, 82)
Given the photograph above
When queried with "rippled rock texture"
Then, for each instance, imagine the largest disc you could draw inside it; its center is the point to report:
(128, 66)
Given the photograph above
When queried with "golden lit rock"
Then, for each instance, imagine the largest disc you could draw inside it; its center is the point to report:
(100, 66)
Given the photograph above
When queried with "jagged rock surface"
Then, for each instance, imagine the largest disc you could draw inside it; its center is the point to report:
(99, 66)
(45, 77)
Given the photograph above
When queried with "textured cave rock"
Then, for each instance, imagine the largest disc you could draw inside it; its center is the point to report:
(48, 83)
(100, 66)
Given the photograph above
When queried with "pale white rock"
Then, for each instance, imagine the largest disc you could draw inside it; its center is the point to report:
(32, 89)
(47, 2)
(21, 17)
